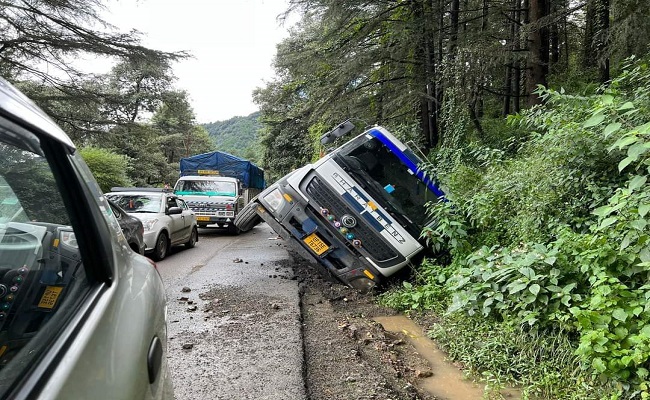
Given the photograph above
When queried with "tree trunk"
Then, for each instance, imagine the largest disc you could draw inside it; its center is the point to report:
(538, 50)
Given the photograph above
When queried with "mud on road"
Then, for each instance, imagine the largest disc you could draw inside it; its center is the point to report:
(347, 354)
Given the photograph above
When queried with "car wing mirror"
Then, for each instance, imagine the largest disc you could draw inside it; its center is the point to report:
(174, 210)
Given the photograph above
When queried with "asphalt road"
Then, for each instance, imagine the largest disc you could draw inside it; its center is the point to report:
(234, 318)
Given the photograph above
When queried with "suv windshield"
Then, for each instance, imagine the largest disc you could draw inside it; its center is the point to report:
(205, 188)
(382, 174)
(137, 203)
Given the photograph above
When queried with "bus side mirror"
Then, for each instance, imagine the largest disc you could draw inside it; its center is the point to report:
(340, 130)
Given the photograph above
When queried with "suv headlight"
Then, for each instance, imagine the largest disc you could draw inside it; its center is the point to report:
(149, 224)
(274, 199)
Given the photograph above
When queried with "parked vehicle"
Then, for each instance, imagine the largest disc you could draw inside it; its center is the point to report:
(357, 212)
(217, 186)
(81, 315)
(167, 220)
(131, 227)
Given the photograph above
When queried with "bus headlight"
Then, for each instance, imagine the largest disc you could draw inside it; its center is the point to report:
(274, 199)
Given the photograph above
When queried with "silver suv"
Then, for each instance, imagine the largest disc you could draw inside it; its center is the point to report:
(81, 315)
(167, 220)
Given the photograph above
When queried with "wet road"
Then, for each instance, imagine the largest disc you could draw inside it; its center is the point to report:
(234, 318)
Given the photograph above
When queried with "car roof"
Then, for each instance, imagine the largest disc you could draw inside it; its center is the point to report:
(15, 106)
(138, 193)
(206, 178)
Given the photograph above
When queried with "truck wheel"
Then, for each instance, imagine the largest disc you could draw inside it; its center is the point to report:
(162, 245)
(247, 218)
(194, 237)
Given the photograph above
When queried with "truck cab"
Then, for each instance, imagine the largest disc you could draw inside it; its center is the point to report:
(358, 212)
(213, 198)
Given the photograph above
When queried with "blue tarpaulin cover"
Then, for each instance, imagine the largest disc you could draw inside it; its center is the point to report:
(226, 164)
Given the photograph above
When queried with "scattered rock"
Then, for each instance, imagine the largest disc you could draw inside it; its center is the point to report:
(186, 289)
(237, 260)
(183, 298)
(423, 374)
(188, 346)
(192, 308)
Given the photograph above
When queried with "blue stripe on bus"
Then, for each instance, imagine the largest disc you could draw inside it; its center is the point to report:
(410, 163)
(353, 202)
(375, 224)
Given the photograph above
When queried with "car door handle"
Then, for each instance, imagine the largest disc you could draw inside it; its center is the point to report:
(154, 359)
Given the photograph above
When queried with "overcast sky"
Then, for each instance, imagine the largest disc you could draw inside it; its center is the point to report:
(233, 42)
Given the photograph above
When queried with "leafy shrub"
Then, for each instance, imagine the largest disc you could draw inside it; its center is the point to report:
(428, 292)
(108, 168)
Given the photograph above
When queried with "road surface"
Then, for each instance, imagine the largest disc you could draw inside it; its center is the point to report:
(234, 318)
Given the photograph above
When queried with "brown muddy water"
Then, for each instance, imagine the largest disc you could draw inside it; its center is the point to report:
(447, 382)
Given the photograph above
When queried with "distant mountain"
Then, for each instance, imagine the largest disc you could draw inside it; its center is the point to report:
(238, 136)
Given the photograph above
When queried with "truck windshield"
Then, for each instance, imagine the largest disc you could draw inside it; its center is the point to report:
(384, 176)
(205, 188)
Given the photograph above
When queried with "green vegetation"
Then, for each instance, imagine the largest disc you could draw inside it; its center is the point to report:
(109, 168)
(549, 248)
(238, 136)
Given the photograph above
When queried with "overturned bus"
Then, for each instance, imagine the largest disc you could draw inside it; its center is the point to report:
(357, 212)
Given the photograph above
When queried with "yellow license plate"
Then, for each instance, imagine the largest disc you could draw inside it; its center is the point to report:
(316, 244)
(203, 219)
(50, 296)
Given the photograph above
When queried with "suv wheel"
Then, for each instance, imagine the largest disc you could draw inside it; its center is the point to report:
(194, 237)
(162, 245)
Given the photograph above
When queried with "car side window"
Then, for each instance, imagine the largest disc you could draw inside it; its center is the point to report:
(42, 276)
(171, 202)
(181, 204)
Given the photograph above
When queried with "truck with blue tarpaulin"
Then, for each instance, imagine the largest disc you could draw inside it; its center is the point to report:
(217, 185)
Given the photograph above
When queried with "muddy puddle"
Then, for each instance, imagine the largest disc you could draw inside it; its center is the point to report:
(447, 381)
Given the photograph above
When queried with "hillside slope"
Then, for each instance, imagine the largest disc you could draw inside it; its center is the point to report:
(238, 136)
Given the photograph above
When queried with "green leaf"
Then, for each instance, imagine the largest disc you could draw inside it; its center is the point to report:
(637, 182)
(607, 222)
(534, 289)
(611, 128)
(624, 142)
(607, 99)
(620, 314)
(639, 224)
(624, 163)
(599, 365)
(527, 272)
(636, 150)
(626, 106)
(602, 211)
(550, 260)
(594, 120)
(516, 287)
(643, 209)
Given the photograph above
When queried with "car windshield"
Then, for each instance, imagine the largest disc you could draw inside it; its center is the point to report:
(137, 203)
(205, 188)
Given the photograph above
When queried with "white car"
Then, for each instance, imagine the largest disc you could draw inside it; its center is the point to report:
(167, 220)
(82, 316)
